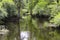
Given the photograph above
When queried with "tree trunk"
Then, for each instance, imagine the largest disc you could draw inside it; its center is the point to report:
(18, 7)
(31, 24)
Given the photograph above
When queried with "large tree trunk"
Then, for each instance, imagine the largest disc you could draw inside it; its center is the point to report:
(19, 7)
(31, 33)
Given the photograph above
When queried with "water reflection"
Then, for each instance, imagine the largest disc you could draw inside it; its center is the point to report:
(24, 35)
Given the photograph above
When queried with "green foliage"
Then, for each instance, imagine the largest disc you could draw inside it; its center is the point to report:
(39, 6)
(3, 13)
(45, 7)
(56, 19)
(10, 8)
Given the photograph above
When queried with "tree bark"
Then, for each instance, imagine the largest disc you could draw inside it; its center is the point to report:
(31, 21)
(19, 6)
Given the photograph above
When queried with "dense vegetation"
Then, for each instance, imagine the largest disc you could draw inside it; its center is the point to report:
(40, 17)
